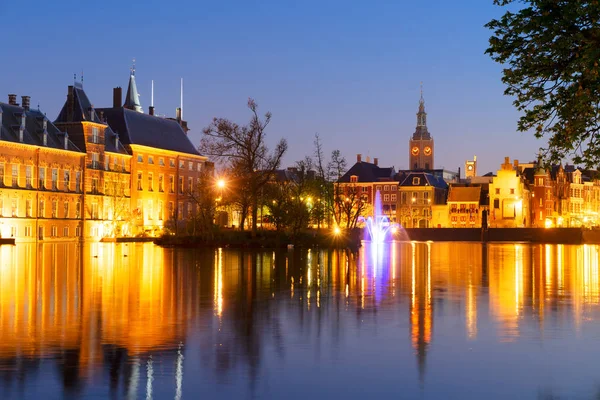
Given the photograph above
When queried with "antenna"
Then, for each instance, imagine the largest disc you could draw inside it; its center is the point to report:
(82, 76)
(181, 101)
(152, 95)
(421, 90)
(133, 67)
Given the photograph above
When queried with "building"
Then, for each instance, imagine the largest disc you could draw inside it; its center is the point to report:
(419, 193)
(509, 198)
(94, 173)
(471, 168)
(421, 149)
(41, 176)
(464, 206)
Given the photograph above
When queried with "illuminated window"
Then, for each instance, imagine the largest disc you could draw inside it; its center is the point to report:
(394, 188)
(95, 135)
(140, 158)
(54, 231)
(1, 174)
(150, 160)
(393, 197)
(161, 162)
(160, 210)
(42, 178)
(54, 178)
(386, 188)
(94, 211)
(150, 211)
(181, 164)
(161, 179)
(28, 208)
(191, 166)
(150, 181)
(15, 175)
(66, 231)
(189, 210)
(139, 181)
(171, 163)
(14, 208)
(171, 211)
(95, 187)
(171, 184)
(28, 177)
(181, 185)
(28, 231)
(190, 183)
(42, 208)
(386, 197)
(54, 212)
(67, 180)
(180, 210)
(78, 181)
(95, 161)
(78, 210)
(416, 181)
(106, 162)
(66, 209)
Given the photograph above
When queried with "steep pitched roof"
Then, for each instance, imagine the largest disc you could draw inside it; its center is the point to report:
(367, 172)
(464, 194)
(82, 109)
(33, 131)
(148, 130)
(424, 179)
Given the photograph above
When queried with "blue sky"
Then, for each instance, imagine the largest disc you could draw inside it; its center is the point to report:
(349, 71)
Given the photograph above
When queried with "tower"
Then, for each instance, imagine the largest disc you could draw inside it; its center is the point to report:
(471, 168)
(132, 98)
(421, 143)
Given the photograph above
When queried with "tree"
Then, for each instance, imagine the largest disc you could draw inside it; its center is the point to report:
(244, 149)
(204, 197)
(117, 203)
(551, 50)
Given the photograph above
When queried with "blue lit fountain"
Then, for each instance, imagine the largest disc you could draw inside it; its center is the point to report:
(379, 224)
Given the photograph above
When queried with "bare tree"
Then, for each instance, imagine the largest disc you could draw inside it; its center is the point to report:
(244, 149)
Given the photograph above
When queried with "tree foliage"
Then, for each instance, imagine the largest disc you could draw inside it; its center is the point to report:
(550, 50)
(245, 151)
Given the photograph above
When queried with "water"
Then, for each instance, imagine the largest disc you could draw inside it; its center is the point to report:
(401, 320)
(378, 225)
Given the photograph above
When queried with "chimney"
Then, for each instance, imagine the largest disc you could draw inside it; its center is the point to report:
(117, 97)
(178, 114)
(101, 116)
(151, 110)
(12, 99)
(358, 158)
(376, 161)
(25, 102)
(516, 164)
(70, 104)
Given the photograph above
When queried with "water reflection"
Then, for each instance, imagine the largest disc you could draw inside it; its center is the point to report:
(139, 321)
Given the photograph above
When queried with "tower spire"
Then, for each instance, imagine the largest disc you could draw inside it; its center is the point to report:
(132, 98)
(421, 132)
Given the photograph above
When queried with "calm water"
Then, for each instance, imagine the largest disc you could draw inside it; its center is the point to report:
(408, 320)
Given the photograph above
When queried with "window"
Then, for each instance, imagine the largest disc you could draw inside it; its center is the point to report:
(140, 208)
(78, 210)
(106, 162)
(496, 203)
(191, 166)
(386, 197)
(181, 164)
(378, 188)
(171, 211)
(189, 210)
(14, 208)
(140, 158)
(150, 160)
(54, 231)
(160, 210)
(190, 183)
(180, 210)
(28, 176)
(67, 180)
(28, 208)
(42, 208)
(66, 209)
(54, 178)
(497, 190)
(150, 211)
(171, 163)
(161, 162)
(365, 189)
(95, 161)
(95, 135)
(403, 198)
(15, 175)
(426, 197)
(42, 178)
(115, 164)
(171, 184)
(512, 191)
(1, 174)
(28, 231)
(139, 181)
(150, 181)
(181, 185)
(393, 197)
(54, 209)
(77, 231)
(78, 181)
(394, 188)
(161, 179)
(94, 211)
(386, 188)
(66, 231)
(416, 181)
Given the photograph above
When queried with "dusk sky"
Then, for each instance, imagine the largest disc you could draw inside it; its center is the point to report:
(349, 71)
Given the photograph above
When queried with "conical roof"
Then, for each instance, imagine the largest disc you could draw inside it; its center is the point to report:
(132, 98)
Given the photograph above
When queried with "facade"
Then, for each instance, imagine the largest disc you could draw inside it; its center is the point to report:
(471, 168)
(420, 145)
(509, 198)
(419, 193)
(464, 207)
(94, 173)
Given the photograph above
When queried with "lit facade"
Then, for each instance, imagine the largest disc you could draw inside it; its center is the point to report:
(419, 193)
(509, 198)
(464, 207)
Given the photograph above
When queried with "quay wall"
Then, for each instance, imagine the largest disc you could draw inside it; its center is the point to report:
(532, 235)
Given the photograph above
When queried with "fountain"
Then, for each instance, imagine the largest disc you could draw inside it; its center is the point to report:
(379, 224)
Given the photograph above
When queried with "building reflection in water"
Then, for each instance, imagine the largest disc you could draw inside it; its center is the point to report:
(123, 314)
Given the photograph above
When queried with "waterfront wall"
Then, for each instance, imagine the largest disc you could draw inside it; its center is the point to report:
(533, 235)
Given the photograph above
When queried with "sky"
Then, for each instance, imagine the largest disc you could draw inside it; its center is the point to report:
(348, 71)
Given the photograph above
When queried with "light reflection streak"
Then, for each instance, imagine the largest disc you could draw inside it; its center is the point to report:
(149, 378)
(178, 373)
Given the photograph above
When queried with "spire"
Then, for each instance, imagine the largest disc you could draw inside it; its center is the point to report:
(421, 132)
(132, 98)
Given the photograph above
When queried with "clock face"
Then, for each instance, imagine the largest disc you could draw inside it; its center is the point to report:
(415, 151)
(470, 167)
(427, 150)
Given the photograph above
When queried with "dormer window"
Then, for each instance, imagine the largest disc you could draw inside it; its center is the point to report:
(95, 135)
(45, 138)
(66, 141)
(416, 181)
(21, 133)
(354, 179)
(45, 124)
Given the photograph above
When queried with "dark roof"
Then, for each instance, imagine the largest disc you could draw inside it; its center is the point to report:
(111, 144)
(285, 175)
(464, 193)
(148, 130)
(82, 108)
(489, 174)
(425, 179)
(529, 174)
(368, 172)
(33, 130)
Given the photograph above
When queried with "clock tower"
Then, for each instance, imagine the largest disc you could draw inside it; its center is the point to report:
(471, 168)
(420, 150)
